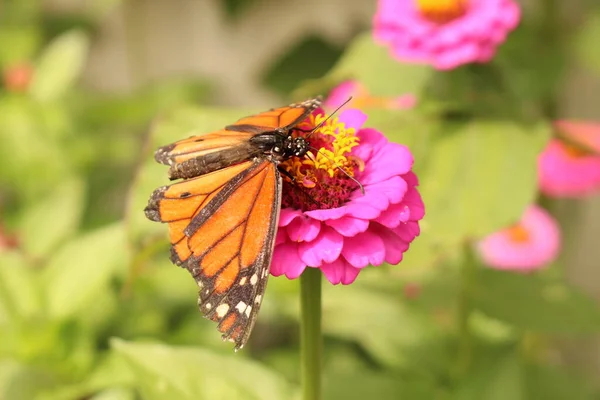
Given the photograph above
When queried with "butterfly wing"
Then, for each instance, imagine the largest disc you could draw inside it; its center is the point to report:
(229, 145)
(222, 228)
(282, 118)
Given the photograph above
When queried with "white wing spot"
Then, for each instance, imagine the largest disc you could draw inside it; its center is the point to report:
(248, 309)
(258, 299)
(241, 306)
(208, 306)
(254, 279)
(243, 281)
(222, 310)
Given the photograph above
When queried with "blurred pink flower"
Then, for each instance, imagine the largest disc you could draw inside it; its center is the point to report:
(530, 244)
(17, 77)
(362, 99)
(565, 170)
(444, 33)
(328, 223)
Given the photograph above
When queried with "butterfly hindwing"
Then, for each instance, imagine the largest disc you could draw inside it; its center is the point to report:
(232, 248)
(177, 204)
(225, 239)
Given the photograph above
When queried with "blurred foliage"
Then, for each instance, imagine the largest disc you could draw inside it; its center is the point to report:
(91, 308)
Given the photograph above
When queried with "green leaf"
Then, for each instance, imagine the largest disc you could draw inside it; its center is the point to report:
(26, 151)
(19, 292)
(166, 372)
(532, 303)
(20, 381)
(373, 66)
(477, 177)
(587, 42)
(383, 325)
(115, 394)
(53, 219)
(18, 42)
(553, 383)
(82, 268)
(59, 66)
(501, 379)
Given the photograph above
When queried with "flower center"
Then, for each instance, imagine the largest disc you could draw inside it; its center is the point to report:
(573, 151)
(518, 234)
(442, 11)
(323, 179)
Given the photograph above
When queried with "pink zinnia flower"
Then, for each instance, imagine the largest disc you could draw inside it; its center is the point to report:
(444, 33)
(361, 98)
(530, 244)
(327, 222)
(567, 170)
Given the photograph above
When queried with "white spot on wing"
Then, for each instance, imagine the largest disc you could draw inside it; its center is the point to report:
(208, 306)
(222, 310)
(243, 281)
(258, 299)
(254, 279)
(241, 306)
(248, 310)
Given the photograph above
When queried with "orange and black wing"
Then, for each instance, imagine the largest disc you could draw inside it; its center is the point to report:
(205, 153)
(282, 118)
(222, 228)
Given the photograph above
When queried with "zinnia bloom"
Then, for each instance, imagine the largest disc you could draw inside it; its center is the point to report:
(326, 221)
(361, 98)
(444, 33)
(530, 244)
(565, 170)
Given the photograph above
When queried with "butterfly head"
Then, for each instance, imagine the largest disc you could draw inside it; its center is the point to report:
(290, 147)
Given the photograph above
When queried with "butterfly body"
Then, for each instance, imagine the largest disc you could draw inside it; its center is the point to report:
(223, 213)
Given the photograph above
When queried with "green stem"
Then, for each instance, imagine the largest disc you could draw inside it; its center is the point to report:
(467, 278)
(310, 333)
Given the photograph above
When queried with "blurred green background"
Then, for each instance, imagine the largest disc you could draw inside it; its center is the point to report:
(91, 307)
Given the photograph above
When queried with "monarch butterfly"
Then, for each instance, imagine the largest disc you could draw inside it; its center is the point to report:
(223, 214)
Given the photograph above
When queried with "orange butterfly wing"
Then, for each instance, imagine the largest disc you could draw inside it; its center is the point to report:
(223, 216)
(236, 135)
(222, 228)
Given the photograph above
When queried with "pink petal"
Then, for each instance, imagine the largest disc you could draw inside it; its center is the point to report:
(303, 229)
(287, 215)
(540, 247)
(286, 261)
(348, 226)
(394, 245)
(281, 236)
(325, 248)
(324, 215)
(340, 271)
(394, 215)
(394, 159)
(340, 94)
(364, 249)
(353, 118)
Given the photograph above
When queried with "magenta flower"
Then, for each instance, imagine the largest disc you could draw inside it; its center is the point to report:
(568, 171)
(444, 33)
(362, 99)
(328, 223)
(530, 244)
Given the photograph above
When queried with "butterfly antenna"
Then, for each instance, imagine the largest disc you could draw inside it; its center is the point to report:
(328, 117)
(361, 187)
